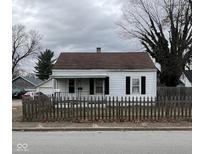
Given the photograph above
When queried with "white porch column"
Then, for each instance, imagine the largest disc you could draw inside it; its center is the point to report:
(53, 84)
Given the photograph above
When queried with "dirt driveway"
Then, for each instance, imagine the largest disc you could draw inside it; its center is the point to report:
(16, 102)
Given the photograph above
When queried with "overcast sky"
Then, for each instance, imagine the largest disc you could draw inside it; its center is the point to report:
(73, 25)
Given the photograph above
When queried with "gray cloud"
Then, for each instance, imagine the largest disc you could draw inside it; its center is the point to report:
(71, 25)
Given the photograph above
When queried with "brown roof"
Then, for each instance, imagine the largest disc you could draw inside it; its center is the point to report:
(106, 60)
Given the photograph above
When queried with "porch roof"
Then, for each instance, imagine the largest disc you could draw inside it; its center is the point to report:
(73, 76)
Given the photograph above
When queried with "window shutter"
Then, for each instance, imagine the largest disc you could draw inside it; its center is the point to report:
(127, 85)
(91, 86)
(71, 86)
(107, 86)
(143, 84)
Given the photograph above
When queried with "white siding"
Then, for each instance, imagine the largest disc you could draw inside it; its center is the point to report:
(46, 88)
(116, 78)
(62, 84)
(117, 83)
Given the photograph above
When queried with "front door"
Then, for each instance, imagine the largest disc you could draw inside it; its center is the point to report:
(82, 87)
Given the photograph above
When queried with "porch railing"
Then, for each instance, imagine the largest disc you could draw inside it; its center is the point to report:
(77, 94)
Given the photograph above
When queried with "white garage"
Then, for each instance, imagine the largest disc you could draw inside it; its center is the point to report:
(45, 87)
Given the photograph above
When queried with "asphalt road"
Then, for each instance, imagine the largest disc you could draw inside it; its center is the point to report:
(118, 142)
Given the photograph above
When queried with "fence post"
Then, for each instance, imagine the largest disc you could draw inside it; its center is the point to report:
(81, 108)
(98, 108)
(95, 108)
(187, 107)
(113, 108)
(57, 113)
(105, 108)
(73, 109)
(76, 109)
(64, 107)
(84, 108)
(34, 109)
(120, 108)
(117, 109)
(46, 108)
(50, 108)
(166, 108)
(136, 108)
(178, 106)
(175, 107)
(91, 109)
(37, 109)
(133, 107)
(87, 108)
(61, 108)
(24, 109)
(144, 101)
(169, 108)
(190, 108)
(41, 115)
(147, 108)
(151, 109)
(182, 108)
(53, 107)
(129, 108)
(68, 108)
(102, 108)
(28, 109)
(125, 117)
(157, 104)
(140, 109)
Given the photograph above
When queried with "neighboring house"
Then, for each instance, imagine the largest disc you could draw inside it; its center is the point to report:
(102, 74)
(186, 78)
(27, 83)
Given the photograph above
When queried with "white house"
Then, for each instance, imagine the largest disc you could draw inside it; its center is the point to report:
(103, 74)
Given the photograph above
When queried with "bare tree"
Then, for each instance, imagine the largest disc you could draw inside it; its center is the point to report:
(19, 71)
(164, 28)
(24, 44)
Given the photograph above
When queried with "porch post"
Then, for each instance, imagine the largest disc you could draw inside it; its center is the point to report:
(53, 84)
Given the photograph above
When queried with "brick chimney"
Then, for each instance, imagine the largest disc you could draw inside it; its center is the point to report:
(98, 50)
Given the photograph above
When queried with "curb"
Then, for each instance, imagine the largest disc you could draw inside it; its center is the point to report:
(105, 129)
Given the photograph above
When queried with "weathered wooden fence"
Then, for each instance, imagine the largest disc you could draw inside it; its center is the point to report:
(174, 91)
(107, 109)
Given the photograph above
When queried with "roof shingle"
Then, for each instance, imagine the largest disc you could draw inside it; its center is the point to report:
(106, 60)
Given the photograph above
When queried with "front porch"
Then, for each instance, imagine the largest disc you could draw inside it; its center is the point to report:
(81, 87)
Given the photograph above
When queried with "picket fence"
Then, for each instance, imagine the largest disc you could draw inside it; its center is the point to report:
(107, 109)
(174, 91)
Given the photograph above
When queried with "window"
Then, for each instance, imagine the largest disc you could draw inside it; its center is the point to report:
(135, 86)
(98, 86)
(71, 86)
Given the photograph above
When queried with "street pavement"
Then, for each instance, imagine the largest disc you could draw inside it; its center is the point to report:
(105, 142)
